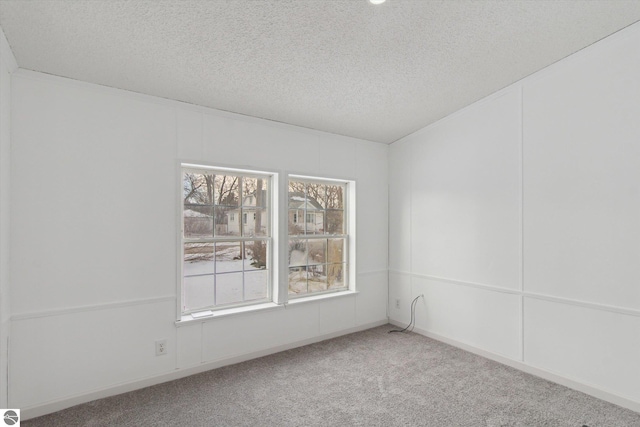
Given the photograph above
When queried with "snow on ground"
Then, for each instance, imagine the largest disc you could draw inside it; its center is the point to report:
(237, 280)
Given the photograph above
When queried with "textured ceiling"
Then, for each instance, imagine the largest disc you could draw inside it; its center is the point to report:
(340, 66)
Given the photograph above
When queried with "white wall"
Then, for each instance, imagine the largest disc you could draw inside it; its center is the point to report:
(7, 66)
(94, 184)
(518, 218)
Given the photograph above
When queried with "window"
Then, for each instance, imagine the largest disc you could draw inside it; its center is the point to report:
(317, 253)
(225, 262)
(227, 245)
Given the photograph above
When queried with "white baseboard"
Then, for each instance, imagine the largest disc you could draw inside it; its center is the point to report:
(69, 401)
(522, 366)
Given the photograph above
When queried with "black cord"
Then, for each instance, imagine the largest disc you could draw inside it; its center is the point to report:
(413, 317)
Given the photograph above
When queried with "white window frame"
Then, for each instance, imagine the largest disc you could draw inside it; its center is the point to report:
(278, 224)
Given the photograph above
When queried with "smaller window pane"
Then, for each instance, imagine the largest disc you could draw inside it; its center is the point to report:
(317, 278)
(197, 188)
(198, 292)
(297, 195)
(256, 222)
(229, 288)
(335, 276)
(228, 257)
(198, 259)
(254, 192)
(256, 285)
(335, 196)
(335, 222)
(317, 251)
(297, 252)
(297, 280)
(226, 190)
(198, 221)
(296, 226)
(227, 221)
(317, 195)
(255, 255)
(335, 253)
(314, 222)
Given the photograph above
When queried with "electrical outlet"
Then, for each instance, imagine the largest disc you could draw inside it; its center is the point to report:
(398, 303)
(161, 347)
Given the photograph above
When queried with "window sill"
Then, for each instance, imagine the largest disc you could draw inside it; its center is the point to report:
(321, 297)
(188, 319)
(268, 306)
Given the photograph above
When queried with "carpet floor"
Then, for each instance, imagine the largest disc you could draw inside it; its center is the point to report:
(370, 378)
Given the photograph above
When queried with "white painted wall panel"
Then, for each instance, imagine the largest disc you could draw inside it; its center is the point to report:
(371, 300)
(93, 203)
(465, 188)
(189, 130)
(400, 207)
(484, 319)
(7, 66)
(582, 176)
(247, 333)
(65, 355)
(372, 207)
(400, 288)
(338, 158)
(595, 347)
(336, 314)
(244, 143)
(189, 343)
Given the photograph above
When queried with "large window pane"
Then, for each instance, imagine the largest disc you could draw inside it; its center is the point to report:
(228, 257)
(198, 292)
(314, 221)
(227, 221)
(317, 250)
(197, 188)
(297, 194)
(255, 255)
(335, 275)
(226, 190)
(254, 192)
(198, 221)
(297, 280)
(336, 251)
(335, 196)
(316, 207)
(254, 221)
(256, 285)
(198, 259)
(317, 195)
(316, 278)
(229, 288)
(226, 241)
(297, 252)
(296, 221)
(335, 222)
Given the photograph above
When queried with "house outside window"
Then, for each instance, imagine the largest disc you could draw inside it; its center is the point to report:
(225, 263)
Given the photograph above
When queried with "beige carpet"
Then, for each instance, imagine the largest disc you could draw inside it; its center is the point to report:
(370, 378)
